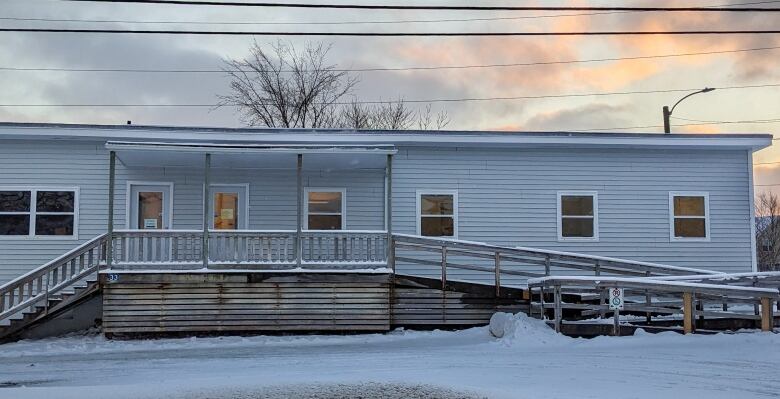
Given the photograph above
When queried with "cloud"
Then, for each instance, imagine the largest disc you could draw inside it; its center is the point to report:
(110, 88)
(590, 116)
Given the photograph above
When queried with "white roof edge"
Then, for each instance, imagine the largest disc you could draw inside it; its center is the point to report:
(250, 148)
(23, 131)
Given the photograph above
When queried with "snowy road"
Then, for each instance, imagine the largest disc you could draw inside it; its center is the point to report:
(530, 363)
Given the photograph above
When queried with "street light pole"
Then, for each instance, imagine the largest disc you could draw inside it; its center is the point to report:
(668, 112)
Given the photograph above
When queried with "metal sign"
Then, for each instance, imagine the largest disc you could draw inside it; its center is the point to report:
(615, 298)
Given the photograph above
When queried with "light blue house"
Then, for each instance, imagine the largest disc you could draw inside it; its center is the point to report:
(277, 199)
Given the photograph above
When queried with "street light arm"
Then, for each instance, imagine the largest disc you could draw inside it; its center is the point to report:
(705, 90)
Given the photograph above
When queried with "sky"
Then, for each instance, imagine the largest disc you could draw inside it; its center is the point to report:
(577, 113)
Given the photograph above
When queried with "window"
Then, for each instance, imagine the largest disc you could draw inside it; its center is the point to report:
(38, 212)
(578, 215)
(689, 214)
(437, 214)
(325, 209)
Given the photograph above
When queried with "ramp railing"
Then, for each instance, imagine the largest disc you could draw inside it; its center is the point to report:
(652, 298)
(518, 261)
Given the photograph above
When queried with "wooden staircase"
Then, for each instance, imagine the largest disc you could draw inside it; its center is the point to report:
(53, 307)
(45, 292)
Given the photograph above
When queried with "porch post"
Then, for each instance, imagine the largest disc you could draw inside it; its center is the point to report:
(111, 183)
(390, 255)
(299, 213)
(206, 196)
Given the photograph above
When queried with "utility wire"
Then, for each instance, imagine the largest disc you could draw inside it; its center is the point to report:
(426, 101)
(433, 7)
(773, 120)
(680, 125)
(411, 21)
(168, 22)
(391, 69)
(394, 34)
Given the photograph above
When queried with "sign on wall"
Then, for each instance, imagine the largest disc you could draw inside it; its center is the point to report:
(615, 298)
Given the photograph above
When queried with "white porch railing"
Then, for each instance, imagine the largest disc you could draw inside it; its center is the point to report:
(252, 247)
(182, 249)
(344, 247)
(155, 247)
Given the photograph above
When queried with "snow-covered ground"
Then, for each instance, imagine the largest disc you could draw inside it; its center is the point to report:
(529, 361)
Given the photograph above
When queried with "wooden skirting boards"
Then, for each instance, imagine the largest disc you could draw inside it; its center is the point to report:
(420, 302)
(266, 302)
(251, 302)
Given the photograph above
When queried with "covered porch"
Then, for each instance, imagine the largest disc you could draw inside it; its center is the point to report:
(227, 238)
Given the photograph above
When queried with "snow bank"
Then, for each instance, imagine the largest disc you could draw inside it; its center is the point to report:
(93, 342)
(520, 329)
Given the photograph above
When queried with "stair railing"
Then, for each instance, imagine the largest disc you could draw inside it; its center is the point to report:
(40, 284)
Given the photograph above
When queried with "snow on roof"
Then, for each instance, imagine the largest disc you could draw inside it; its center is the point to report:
(397, 137)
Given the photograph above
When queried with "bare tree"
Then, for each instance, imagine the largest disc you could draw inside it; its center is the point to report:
(288, 88)
(768, 231)
(356, 116)
(426, 120)
(393, 116)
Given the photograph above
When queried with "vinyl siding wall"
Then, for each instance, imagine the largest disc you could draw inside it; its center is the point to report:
(510, 198)
(505, 197)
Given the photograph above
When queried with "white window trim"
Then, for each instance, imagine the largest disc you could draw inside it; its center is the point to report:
(706, 196)
(243, 223)
(559, 215)
(128, 200)
(33, 199)
(454, 194)
(308, 190)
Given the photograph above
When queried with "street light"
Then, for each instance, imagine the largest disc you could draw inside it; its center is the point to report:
(668, 112)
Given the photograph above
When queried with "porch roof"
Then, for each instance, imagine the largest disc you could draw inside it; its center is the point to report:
(248, 155)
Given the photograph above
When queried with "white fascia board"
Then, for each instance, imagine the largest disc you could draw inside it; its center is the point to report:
(349, 137)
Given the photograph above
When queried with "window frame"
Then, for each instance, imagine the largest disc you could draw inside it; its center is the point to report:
(595, 217)
(455, 222)
(33, 212)
(308, 190)
(672, 217)
(129, 200)
(243, 222)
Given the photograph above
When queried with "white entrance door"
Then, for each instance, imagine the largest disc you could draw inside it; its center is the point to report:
(150, 206)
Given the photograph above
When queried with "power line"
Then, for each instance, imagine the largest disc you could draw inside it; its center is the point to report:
(427, 101)
(411, 21)
(390, 69)
(680, 125)
(393, 34)
(439, 8)
(772, 120)
(168, 22)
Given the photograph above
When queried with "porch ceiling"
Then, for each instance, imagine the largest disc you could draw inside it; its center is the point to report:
(250, 156)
